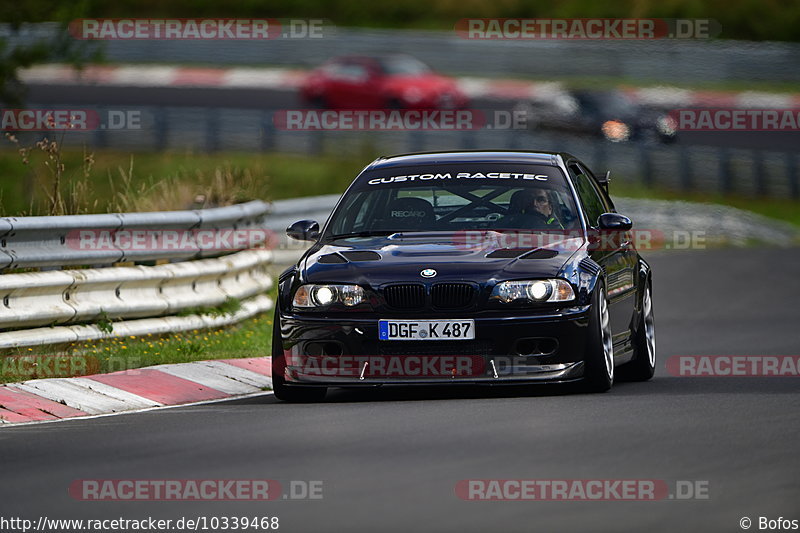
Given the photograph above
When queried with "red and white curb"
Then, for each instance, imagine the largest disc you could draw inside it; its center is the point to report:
(291, 79)
(44, 400)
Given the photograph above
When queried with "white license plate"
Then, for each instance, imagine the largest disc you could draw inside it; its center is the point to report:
(426, 330)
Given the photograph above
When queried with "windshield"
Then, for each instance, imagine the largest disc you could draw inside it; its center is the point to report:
(450, 198)
(404, 66)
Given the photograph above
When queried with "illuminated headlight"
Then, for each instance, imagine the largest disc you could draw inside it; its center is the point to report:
(541, 290)
(616, 131)
(667, 125)
(310, 296)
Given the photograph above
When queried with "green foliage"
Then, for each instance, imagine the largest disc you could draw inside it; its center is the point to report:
(104, 323)
(26, 52)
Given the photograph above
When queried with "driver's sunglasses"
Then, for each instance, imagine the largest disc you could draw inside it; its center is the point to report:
(541, 200)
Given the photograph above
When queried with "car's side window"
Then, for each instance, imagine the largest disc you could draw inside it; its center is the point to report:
(347, 71)
(588, 194)
(609, 204)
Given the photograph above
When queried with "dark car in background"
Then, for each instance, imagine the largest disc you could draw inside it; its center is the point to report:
(380, 82)
(608, 114)
(479, 268)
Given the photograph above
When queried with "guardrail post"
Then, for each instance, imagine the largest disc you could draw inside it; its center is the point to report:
(212, 129)
(645, 164)
(416, 141)
(686, 169)
(759, 173)
(514, 139)
(791, 174)
(161, 126)
(725, 171)
(467, 140)
(317, 142)
(100, 134)
(267, 132)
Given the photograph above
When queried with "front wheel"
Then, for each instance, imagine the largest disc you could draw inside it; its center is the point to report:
(296, 394)
(599, 355)
(643, 365)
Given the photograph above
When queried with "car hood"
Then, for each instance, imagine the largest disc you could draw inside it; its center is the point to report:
(376, 261)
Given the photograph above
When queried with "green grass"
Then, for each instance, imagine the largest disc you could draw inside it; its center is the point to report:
(276, 176)
(784, 209)
(116, 177)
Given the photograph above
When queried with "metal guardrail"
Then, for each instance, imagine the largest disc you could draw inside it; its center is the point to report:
(771, 172)
(665, 60)
(122, 294)
(68, 296)
(51, 241)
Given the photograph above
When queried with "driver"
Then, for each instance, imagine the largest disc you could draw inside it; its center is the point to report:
(533, 209)
(542, 205)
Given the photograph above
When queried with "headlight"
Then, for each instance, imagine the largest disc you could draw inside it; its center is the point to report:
(616, 131)
(540, 290)
(310, 296)
(666, 125)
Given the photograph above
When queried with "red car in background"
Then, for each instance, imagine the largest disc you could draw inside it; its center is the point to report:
(367, 82)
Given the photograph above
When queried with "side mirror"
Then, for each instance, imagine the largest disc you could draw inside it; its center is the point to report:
(304, 230)
(614, 222)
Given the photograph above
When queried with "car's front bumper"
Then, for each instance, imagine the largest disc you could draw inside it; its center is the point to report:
(346, 352)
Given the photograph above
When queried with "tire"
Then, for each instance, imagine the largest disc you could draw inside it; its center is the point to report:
(599, 352)
(643, 365)
(283, 392)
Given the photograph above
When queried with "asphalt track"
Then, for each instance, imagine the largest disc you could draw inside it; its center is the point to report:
(390, 459)
(274, 99)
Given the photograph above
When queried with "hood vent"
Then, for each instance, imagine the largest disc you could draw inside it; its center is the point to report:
(362, 255)
(329, 259)
(351, 256)
(506, 253)
(541, 253)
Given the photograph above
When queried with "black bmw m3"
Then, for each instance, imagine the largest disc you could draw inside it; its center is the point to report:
(469, 267)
